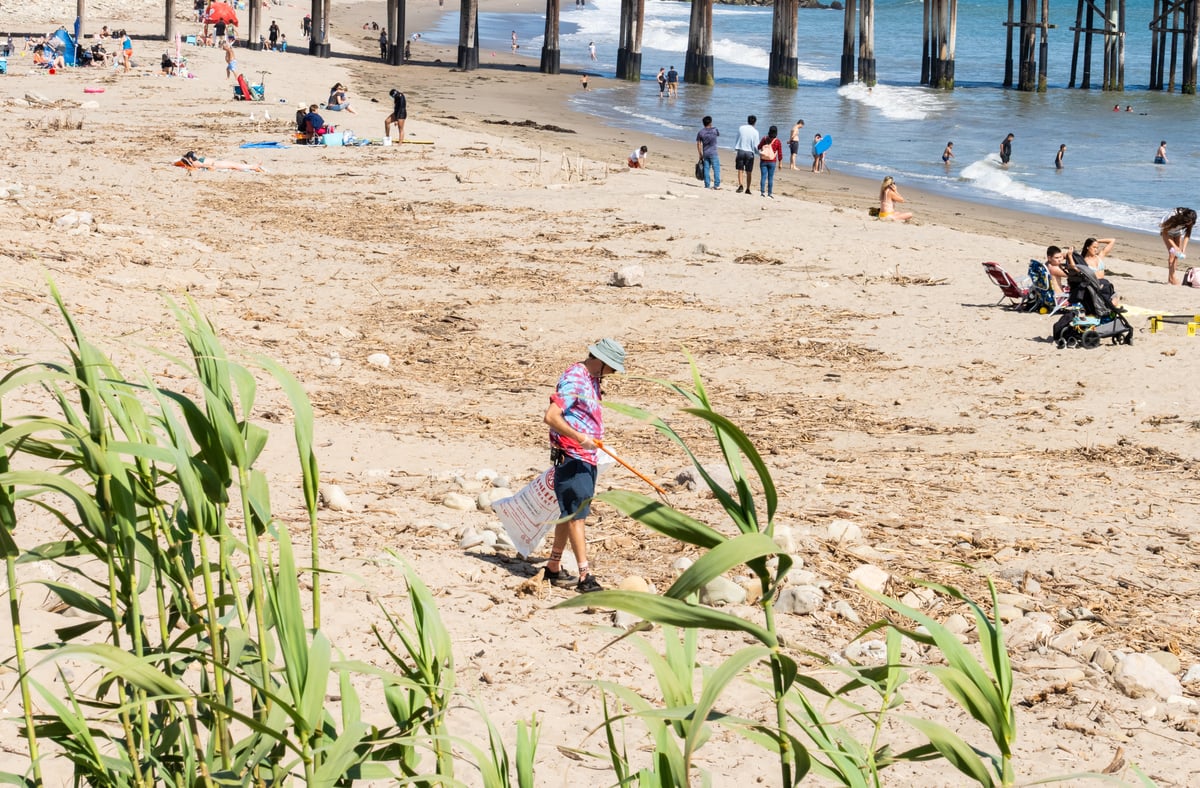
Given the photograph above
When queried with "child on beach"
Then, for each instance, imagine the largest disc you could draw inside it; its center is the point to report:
(948, 153)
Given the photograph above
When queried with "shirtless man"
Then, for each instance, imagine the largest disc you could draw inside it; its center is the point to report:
(794, 143)
(230, 61)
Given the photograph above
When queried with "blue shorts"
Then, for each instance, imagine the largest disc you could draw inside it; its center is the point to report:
(574, 486)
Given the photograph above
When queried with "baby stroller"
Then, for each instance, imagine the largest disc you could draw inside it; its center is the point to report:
(1092, 316)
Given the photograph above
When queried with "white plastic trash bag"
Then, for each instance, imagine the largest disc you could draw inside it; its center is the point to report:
(528, 515)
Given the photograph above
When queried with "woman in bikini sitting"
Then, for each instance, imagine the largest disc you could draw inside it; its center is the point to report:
(889, 195)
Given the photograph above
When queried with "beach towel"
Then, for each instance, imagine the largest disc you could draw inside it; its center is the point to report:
(271, 144)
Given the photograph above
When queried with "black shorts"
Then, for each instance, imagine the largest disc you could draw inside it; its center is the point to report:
(794, 146)
(744, 161)
(574, 486)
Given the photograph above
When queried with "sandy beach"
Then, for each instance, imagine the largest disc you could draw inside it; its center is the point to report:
(868, 361)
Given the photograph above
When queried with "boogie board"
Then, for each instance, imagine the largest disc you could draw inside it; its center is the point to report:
(824, 144)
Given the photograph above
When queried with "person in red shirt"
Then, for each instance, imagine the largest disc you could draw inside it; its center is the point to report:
(770, 151)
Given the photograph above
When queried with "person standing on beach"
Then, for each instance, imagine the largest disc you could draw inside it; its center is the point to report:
(1160, 155)
(1006, 150)
(1175, 229)
(710, 158)
(1058, 160)
(948, 153)
(398, 116)
(515, 45)
(273, 35)
(230, 61)
(744, 148)
(770, 151)
(383, 44)
(576, 421)
(794, 143)
(672, 82)
(662, 82)
(127, 53)
(306, 26)
(592, 49)
(818, 164)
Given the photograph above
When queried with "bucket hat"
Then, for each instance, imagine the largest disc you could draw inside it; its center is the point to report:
(610, 352)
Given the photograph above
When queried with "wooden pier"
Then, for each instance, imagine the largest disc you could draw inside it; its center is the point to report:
(1100, 26)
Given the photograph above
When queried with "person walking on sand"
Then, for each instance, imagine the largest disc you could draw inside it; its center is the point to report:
(662, 82)
(1058, 160)
(1175, 229)
(794, 144)
(1160, 155)
(710, 157)
(576, 421)
(230, 61)
(515, 45)
(889, 195)
(398, 116)
(1006, 150)
(948, 153)
(672, 82)
(744, 149)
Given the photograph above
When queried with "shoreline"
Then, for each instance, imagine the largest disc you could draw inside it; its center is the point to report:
(507, 86)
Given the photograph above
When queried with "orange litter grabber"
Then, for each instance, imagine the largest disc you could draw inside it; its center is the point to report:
(630, 468)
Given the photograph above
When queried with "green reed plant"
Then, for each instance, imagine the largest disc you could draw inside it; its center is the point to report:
(212, 668)
(814, 730)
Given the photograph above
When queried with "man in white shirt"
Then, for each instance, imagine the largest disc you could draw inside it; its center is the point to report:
(745, 147)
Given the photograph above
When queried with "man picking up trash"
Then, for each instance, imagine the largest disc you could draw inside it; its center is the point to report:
(576, 422)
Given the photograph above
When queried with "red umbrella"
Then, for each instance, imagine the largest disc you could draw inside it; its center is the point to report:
(220, 12)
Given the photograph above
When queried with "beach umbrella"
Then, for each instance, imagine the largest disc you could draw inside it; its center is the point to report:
(220, 12)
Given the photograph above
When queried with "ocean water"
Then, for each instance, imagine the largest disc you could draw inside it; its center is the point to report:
(899, 127)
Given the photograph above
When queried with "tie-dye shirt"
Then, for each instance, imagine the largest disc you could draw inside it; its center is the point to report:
(578, 395)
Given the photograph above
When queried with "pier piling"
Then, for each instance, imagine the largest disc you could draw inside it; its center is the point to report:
(1178, 21)
(784, 68)
(1111, 18)
(629, 47)
(468, 36)
(550, 43)
(698, 62)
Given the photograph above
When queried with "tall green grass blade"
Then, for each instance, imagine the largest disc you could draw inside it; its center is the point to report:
(954, 750)
(676, 613)
(720, 559)
(714, 686)
(662, 518)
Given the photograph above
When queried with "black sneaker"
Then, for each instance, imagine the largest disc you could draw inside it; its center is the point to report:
(740, 190)
(588, 584)
(561, 579)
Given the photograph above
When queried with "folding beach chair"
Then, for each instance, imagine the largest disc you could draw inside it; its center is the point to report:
(1008, 286)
